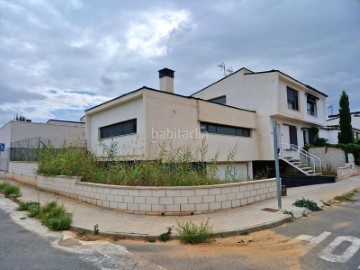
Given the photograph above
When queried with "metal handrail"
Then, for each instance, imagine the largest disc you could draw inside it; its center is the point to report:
(308, 158)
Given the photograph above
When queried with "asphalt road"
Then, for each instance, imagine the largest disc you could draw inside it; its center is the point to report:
(331, 240)
(336, 237)
(21, 249)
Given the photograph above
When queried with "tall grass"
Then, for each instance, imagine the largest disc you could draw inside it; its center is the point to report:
(171, 168)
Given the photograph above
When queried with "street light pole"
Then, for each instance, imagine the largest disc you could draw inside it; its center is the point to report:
(277, 171)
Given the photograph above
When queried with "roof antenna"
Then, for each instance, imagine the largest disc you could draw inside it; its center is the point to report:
(331, 107)
(226, 71)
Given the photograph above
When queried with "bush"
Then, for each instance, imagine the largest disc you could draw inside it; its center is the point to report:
(10, 191)
(51, 215)
(190, 233)
(178, 168)
(309, 204)
(27, 206)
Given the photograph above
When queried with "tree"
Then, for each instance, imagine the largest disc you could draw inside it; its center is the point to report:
(345, 136)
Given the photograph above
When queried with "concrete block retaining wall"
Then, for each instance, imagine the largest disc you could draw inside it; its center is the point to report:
(151, 200)
(162, 200)
(335, 157)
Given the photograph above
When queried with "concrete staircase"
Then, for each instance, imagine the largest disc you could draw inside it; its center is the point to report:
(300, 159)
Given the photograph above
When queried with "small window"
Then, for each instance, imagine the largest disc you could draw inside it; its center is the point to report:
(225, 130)
(311, 105)
(292, 99)
(219, 100)
(118, 129)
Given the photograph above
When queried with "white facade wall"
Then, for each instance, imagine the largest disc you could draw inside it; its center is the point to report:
(58, 135)
(5, 137)
(129, 146)
(266, 93)
(331, 135)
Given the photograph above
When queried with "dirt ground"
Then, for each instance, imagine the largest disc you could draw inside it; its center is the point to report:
(259, 250)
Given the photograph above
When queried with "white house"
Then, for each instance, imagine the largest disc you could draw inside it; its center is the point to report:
(332, 128)
(275, 96)
(27, 135)
(146, 120)
(234, 113)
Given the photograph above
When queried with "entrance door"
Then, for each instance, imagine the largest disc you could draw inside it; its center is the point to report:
(293, 135)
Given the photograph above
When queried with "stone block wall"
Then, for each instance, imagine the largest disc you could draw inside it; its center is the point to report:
(335, 157)
(162, 200)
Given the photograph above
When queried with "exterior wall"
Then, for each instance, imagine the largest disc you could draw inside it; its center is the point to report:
(5, 137)
(331, 135)
(66, 123)
(335, 157)
(132, 145)
(162, 200)
(182, 116)
(58, 135)
(267, 94)
(23, 168)
(301, 114)
(252, 92)
(346, 171)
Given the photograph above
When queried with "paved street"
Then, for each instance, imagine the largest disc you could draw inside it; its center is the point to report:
(336, 237)
(26, 244)
(338, 248)
(21, 249)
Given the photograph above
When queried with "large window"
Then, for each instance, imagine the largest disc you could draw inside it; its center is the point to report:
(225, 130)
(292, 99)
(122, 128)
(311, 105)
(219, 100)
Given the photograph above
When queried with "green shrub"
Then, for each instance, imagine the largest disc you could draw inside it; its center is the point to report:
(26, 206)
(11, 191)
(346, 197)
(51, 215)
(309, 204)
(190, 233)
(176, 168)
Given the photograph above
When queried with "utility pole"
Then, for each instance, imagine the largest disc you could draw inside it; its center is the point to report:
(277, 171)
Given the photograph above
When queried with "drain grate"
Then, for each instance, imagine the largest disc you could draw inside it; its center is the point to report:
(270, 210)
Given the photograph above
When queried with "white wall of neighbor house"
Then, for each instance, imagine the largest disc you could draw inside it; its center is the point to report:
(57, 135)
(330, 134)
(128, 146)
(5, 135)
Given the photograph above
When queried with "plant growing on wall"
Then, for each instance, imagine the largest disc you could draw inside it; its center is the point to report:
(345, 136)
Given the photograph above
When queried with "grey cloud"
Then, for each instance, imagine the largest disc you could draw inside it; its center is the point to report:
(11, 94)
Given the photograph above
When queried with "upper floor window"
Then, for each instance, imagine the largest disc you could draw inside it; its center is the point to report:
(225, 130)
(292, 99)
(219, 100)
(311, 105)
(122, 128)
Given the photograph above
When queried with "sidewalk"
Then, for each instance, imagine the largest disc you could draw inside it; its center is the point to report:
(233, 221)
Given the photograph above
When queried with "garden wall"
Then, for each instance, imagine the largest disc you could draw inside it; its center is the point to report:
(149, 200)
(335, 157)
(162, 200)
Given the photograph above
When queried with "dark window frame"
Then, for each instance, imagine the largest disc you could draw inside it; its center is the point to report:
(219, 100)
(292, 98)
(311, 105)
(225, 130)
(127, 127)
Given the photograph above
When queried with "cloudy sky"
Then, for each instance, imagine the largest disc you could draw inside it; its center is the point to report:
(60, 57)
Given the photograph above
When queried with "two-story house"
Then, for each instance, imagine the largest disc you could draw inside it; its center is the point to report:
(275, 96)
(232, 115)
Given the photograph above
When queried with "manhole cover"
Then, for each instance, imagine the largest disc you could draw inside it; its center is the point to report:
(270, 210)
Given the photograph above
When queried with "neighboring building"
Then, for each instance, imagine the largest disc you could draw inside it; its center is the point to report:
(27, 135)
(234, 112)
(331, 130)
